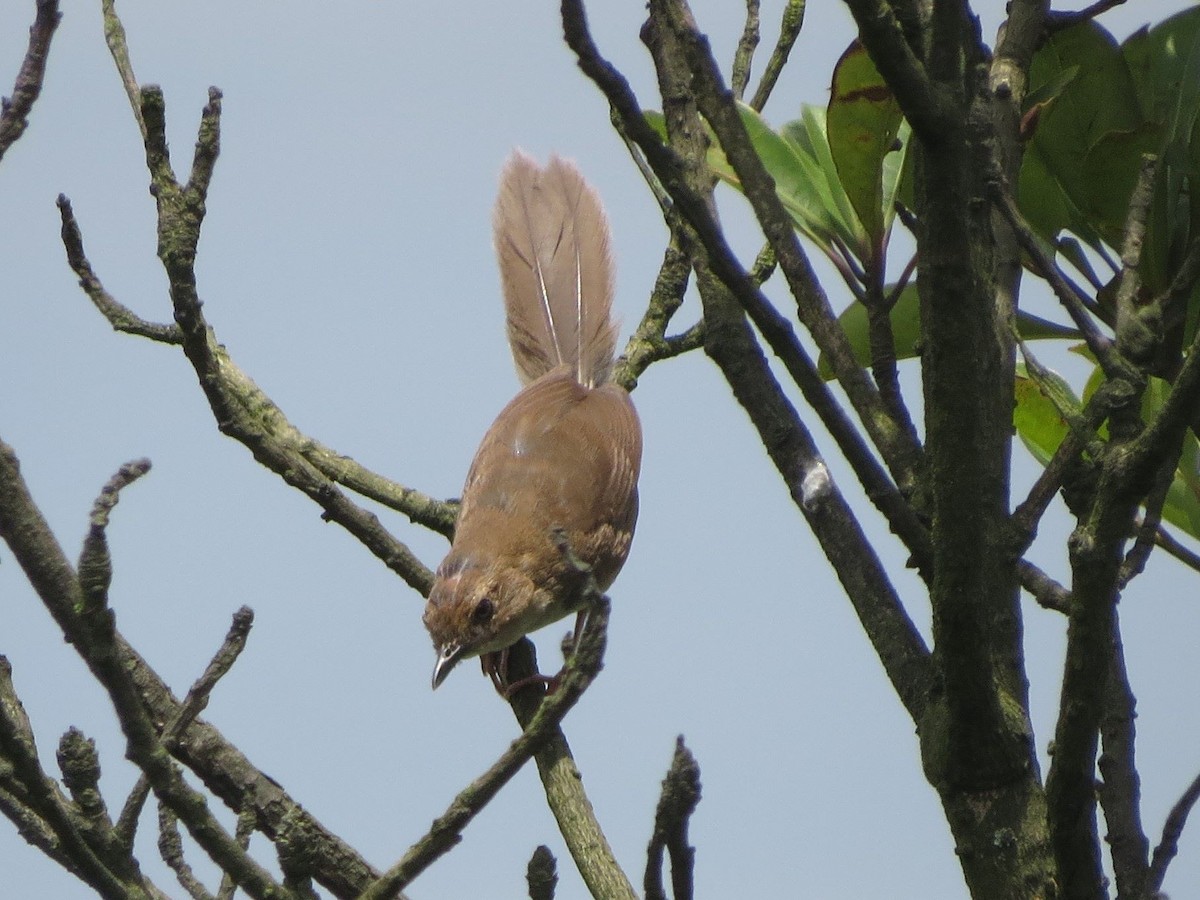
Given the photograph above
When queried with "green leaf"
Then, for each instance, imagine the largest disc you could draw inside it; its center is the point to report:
(1110, 169)
(1164, 63)
(1182, 506)
(906, 329)
(863, 122)
(896, 171)
(810, 137)
(1062, 184)
(1157, 59)
(1041, 410)
(1048, 92)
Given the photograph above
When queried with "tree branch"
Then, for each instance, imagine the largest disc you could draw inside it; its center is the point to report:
(669, 168)
(1120, 791)
(14, 111)
(49, 817)
(789, 31)
(743, 58)
(541, 874)
(193, 704)
(222, 767)
(898, 446)
(679, 798)
(1128, 466)
(736, 352)
(242, 410)
(579, 673)
(883, 36)
(1168, 847)
(649, 344)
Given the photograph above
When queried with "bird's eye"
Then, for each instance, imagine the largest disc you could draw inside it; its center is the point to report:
(483, 611)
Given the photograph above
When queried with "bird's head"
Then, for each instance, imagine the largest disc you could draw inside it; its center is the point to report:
(475, 609)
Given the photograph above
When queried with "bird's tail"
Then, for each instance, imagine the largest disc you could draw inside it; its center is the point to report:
(552, 242)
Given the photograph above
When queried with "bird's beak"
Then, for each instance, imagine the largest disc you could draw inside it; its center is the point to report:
(447, 659)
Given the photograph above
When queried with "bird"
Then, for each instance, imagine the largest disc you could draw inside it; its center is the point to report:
(552, 491)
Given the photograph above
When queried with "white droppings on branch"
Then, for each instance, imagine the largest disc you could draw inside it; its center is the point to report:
(816, 485)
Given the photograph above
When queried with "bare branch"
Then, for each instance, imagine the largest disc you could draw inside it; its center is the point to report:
(541, 874)
(43, 805)
(679, 798)
(1062, 19)
(223, 768)
(1169, 845)
(1174, 548)
(14, 111)
(121, 317)
(1045, 590)
(447, 828)
(114, 36)
(92, 631)
(193, 704)
(246, 821)
(1149, 527)
(1120, 791)
(242, 410)
(743, 58)
(789, 30)
(648, 344)
(170, 848)
(1100, 345)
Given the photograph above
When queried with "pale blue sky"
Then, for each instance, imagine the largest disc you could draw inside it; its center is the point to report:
(346, 264)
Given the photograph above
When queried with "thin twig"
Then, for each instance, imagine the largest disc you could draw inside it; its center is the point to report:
(41, 796)
(1062, 19)
(789, 30)
(118, 48)
(92, 632)
(1120, 791)
(193, 704)
(1100, 345)
(14, 111)
(678, 800)
(1139, 333)
(246, 823)
(221, 766)
(121, 317)
(1045, 590)
(1168, 847)
(447, 828)
(170, 848)
(1081, 435)
(1174, 548)
(743, 57)
(648, 343)
(1149, 527)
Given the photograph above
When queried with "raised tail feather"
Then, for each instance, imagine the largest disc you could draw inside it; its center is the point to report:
(552, 241)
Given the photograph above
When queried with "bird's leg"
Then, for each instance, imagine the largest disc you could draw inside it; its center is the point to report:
(495, 667)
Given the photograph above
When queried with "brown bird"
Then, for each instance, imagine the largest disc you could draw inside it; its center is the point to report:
(561, 461)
